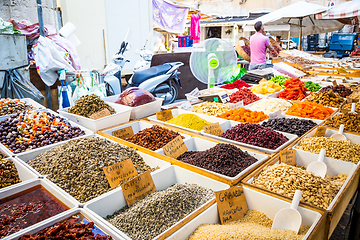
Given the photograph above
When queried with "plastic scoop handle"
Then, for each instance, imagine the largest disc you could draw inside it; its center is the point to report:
(296, 199)
(341, 129)
(321, 155)
(353, 106)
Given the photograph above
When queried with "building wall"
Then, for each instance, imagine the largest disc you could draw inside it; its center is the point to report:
(114, 17)
(27, 10)
(89, 18)
(242, 7)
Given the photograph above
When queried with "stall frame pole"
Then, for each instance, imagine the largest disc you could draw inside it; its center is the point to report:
(42, 33)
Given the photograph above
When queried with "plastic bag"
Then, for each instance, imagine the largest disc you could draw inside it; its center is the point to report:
(6, 27)
(97, 89)
(15, 86)
(81, 89)
(49, 58)
(135, 96)
(65, 95)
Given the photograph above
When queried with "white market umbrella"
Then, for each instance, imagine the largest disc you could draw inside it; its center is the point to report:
(343, 11)
(296, 15)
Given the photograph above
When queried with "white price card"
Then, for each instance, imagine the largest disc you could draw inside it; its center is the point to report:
(185, 106)
(237, 105)
(274, 115)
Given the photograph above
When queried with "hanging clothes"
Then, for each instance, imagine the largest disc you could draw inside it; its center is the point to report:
(195, 27)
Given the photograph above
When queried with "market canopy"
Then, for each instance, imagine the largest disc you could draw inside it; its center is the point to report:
(347, 13)
(296, 15)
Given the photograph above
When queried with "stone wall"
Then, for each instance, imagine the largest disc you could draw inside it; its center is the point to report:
(27, 10)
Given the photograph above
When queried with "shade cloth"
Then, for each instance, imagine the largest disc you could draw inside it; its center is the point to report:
(349, 12)
(291, 14)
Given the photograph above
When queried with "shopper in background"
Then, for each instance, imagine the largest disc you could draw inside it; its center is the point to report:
(278, 40)
(258, 45)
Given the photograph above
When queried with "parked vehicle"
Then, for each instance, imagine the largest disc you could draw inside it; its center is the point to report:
(284, 44)
(162, 81)
(145, 59)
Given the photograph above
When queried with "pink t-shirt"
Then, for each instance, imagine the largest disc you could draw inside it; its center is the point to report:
(258, 44)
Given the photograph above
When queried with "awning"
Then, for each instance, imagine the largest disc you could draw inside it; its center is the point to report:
(300, 13)
(297, 10)
(348, 12)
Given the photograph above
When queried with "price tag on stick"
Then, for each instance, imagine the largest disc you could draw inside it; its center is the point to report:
(175, 148)
(164, 115)
(124, 133)
(320, 131)
(288, 157)
(119, 171)
(214, 129)
(103, 113)
(231, 204)
(137, 188)
(237, 105)
(274, 115)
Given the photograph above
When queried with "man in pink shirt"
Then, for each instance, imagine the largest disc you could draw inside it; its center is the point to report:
(258, 45)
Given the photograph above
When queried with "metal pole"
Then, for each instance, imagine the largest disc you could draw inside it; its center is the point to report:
(42, 33)
(300, 33)
(289, 39)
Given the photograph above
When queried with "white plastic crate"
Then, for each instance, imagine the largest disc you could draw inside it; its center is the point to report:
(334, 168)
(177, 112)
(25, 174)
(352, 137)
(73, 124)
(164, 179)
(122, 115)
(198, 144)
(255, 201)
(150, 160)
(63, 216)
(227, 125)
(10, 191)
(28, 101)
(142, 110)
(137, 126)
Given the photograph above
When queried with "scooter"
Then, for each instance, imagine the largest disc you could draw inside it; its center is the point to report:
(161, 81)
(145, 58)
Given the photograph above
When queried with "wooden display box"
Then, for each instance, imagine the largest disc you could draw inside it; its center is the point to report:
(333, 215)
(179, 163)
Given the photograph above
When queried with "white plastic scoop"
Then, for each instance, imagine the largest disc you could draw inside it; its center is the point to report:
(353, 106)
(319, 167)
(339, 134)
(289, 218)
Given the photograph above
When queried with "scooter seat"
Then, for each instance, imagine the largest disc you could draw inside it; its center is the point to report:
(143, 75)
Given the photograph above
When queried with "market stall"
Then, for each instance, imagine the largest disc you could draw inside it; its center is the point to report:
(300, 16)
(227, 158)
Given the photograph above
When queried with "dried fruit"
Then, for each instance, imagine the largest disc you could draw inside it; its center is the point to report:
(256, 135)
(290, 125)
(244, 115)
(153, 138)
(225, 159)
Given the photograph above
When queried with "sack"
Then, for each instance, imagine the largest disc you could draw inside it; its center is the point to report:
(81, 89)
(65, 95)
(50, 58)
(15, 86)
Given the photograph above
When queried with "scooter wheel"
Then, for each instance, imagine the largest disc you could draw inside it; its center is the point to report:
(170, 96)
